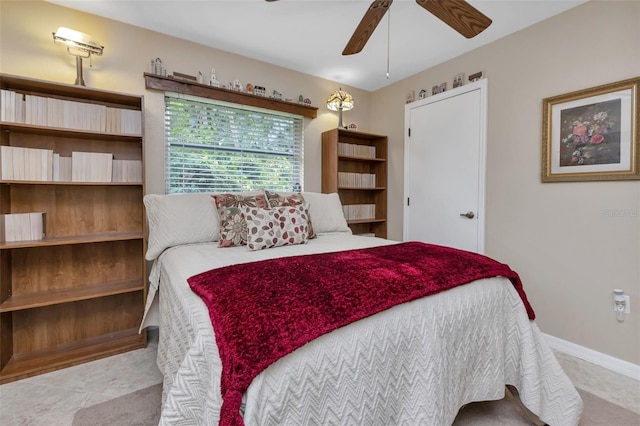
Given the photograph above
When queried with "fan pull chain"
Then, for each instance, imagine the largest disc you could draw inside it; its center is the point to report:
(388, 39)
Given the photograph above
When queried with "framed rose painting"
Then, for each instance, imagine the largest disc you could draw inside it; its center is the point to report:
(592, 134)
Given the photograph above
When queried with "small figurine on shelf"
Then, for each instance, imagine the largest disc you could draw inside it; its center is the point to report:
(300, 99)
(307, 102)
(411, 96)
(352, 126)
(200, 77)
(476, 76)
(212, 79)
(422, 94)
(237, 85)
(157, 68)
(458, 80)
(249, 88)
(439, 88)
(259, 90)
(276, 95)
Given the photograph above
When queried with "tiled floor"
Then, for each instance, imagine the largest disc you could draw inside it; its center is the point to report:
(52, 399)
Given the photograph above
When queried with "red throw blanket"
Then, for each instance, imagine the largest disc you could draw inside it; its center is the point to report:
(261, 311)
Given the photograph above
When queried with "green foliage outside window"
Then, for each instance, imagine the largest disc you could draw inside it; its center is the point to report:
(217, 148)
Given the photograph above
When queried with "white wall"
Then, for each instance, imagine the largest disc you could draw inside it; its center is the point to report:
(569, 252)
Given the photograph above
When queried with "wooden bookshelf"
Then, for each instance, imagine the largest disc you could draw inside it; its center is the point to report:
(334, 163)
(78, 294)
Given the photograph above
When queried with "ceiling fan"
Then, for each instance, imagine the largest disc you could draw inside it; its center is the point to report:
(458, 14)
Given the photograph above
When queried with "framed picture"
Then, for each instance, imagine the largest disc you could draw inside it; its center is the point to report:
(592, 134)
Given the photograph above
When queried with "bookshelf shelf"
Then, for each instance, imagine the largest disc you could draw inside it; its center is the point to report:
(77, 294)
(69, 91)
(68, 183)
(359, 221)
(74, 294)
(9, 126)
(78, 239)
(364, 159)
(46, 360)
(343, 172)
(358, 188)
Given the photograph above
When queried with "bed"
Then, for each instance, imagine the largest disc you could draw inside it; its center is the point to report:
(415, 363)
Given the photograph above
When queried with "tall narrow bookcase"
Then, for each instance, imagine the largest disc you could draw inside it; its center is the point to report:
(78, 294)
(354, 164)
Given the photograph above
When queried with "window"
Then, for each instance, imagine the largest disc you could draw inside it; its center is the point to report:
(221, 147)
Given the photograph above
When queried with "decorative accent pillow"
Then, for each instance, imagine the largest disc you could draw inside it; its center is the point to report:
(326, 212)
(277, 199)
(233, 227)
(280, 226)
(176, 219)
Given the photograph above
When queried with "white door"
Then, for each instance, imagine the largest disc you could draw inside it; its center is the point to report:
(445, 167)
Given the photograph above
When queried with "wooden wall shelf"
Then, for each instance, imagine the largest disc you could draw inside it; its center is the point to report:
(169, 84)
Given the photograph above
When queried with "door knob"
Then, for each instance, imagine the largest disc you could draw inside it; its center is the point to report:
(468, 215)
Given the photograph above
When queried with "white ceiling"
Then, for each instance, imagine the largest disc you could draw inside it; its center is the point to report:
(309, 35)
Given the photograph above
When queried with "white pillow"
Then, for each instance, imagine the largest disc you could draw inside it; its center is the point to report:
(325, 211)
(177, 219)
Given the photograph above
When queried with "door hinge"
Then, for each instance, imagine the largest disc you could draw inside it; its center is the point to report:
(409, 131)
(408, 201)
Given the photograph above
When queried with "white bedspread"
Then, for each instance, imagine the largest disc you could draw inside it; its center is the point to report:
(414, 364)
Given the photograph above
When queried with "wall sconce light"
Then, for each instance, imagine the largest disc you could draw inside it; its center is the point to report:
(79, 45)
(340, 101)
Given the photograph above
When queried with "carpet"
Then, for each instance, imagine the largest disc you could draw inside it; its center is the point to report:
(139, 408)
(142, 408)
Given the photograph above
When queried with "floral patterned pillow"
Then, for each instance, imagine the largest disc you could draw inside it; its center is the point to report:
(233, 227)
(281, 226)
(277, 199)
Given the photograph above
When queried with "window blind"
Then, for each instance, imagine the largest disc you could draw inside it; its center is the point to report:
(221, 147)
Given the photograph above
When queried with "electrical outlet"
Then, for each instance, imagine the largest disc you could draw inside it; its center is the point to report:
(627, 304)
(621, 304)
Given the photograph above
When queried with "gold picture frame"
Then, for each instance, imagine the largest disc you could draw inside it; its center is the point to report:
(592, 134)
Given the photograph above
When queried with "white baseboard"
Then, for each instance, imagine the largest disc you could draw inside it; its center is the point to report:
(598, 358)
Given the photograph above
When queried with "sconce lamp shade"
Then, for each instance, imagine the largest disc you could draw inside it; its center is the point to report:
(79, 45)
(340, 101)
(76, 40)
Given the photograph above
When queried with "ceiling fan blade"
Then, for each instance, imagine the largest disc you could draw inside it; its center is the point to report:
(459, 15)
(366, 26)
